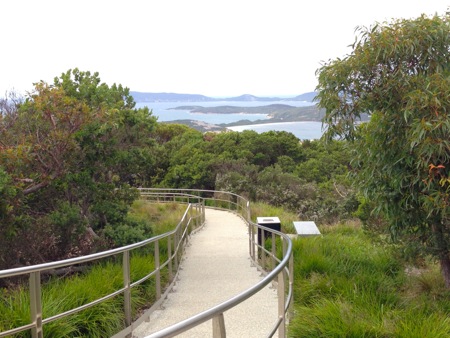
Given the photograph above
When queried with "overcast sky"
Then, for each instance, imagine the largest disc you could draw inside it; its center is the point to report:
(209, 47)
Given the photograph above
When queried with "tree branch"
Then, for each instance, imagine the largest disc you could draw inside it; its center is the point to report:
(35, 188)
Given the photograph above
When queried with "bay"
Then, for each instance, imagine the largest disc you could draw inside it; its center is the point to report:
(303, 130)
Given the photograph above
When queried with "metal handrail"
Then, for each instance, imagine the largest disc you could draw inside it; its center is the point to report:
(194, 214)
(282, 272)
(219, 309)
(196, 201)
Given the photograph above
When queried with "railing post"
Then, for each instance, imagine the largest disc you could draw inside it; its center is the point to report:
(203, 211)
(36, 304)
(198, 218)
(126, 284)
(169, 256)
(273, 250)
(250, 237)
(175, 249)
(291, 286)
(251, 232)
(254, 243)
(218, 323)
(158, 271)
(189, 223)
(281, 305)
(194, 218)
(263, 247)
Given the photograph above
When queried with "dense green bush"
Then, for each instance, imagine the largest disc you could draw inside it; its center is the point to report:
(307, 177)
(70, 153)
(132, 230)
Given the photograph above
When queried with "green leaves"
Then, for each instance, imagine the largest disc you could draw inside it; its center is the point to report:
(73, 149)
(399, 73)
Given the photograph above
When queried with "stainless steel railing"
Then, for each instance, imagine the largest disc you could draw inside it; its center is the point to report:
(193, 217)
(278, 267)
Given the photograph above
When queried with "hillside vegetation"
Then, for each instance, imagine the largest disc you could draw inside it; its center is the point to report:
(347, 283)
(74, 152)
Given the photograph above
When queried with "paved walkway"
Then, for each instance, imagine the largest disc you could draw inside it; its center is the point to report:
(217, 267)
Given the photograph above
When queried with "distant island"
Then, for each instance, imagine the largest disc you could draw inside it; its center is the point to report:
(276, 113)
(174, 97)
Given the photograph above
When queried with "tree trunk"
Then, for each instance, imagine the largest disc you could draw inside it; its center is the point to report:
(443, 249)
(445, 268)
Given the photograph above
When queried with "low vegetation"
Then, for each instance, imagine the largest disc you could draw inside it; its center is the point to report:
(346, 284)
(349, 282)
(63, 293)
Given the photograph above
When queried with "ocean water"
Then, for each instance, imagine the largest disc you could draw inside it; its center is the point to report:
(302, 130)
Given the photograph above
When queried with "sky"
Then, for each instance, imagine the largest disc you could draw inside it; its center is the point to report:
(218, 48)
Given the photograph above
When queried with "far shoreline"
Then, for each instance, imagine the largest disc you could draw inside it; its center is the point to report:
(270, 124)
(303, 130)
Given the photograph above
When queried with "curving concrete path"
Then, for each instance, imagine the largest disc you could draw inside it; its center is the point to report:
(217, 267)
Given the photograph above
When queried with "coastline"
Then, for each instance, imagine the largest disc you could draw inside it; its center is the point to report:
(310, 130)
(271, 124)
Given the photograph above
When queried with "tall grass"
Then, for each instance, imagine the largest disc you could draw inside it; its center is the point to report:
(60, 295)
(346, 285)
(63, 294)
(164, 216)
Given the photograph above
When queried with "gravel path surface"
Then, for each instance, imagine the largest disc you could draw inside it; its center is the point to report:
(217, 267)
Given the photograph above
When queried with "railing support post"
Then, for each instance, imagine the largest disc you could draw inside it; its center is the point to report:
(273, 250)
(36, 304)
(169, 256)
(158, 271)
(175, 249)
(251, 249)
(281, 305)
(263, 247)
(291, 286)
(126, 284)
(203, 211)
(218, 323)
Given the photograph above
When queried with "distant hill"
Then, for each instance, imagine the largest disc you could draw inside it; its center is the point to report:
(248, 97)
(174, 97)
(169, 97)
(309, 97)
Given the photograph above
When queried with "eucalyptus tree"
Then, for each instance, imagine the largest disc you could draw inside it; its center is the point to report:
(399, 73)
